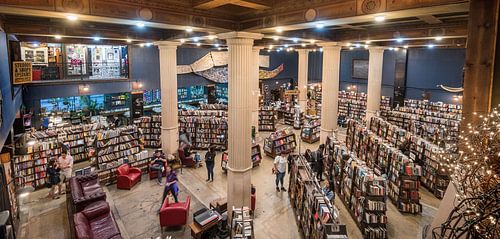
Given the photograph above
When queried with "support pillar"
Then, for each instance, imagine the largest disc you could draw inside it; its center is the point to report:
(240, 71)
(330, 88)
(375, 66)
(302, 78)
(168, 87)
(255, 88)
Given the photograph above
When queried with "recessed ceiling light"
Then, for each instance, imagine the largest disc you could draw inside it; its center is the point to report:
(140, 24)
(217, 45)
(430, 46)
(314, 50)
(439, 38)
(276, 38)
(196, 39)
(57, 37)
(405, 46)
(348, 44)
(351, 48)
(396, 48)
(85, 88)
(279, 30)
(286, 45)
(141, 45)
(149, 44)
(97, 38)
(288, 49)
(358, 45)
(366, 46)
(303, 45)
(321, 49)
(368, 42)
(211, 37)
(295, 40)
(278, 50)
(391, 48)
(182, 40)
(268, 50)
(312, 41)
(399, 40)
(281, 48)
(198, 44)
(189, 29)
(218, 48)
(72, 17)
(379, 18)
(35, 44)
(320, 25)
(270, 46)
(129, 40)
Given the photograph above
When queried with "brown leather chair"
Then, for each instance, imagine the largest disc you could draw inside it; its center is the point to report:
(186, 161)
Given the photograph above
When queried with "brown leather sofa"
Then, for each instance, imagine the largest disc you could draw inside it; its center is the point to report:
(96, 221)
(85, 190)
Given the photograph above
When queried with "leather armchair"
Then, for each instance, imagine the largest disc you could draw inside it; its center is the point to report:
(85, 190)
(127, 176)
(174, 214)
(154, 174)
(253, 198)
(186, 161)
(96, 222)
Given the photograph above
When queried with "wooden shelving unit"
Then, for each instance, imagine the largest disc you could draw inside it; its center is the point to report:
(206, 128)
(150, 128)
(267, 117)
(282, 140)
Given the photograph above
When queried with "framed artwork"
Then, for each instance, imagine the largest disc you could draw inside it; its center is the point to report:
(360, 69)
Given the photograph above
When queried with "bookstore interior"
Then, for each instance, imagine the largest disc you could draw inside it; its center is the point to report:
(250, 119)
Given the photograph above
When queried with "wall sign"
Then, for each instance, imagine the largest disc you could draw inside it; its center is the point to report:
(360, 69)
(137, 105)
(22, 72)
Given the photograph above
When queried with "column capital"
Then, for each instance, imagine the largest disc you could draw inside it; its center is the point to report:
(376, 49)
(330, 44)
(167, 44)
(257, 48)
(302, 51)
(241, 35)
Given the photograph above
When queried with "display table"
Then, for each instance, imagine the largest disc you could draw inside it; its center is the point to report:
(197, 231)
(219, 205)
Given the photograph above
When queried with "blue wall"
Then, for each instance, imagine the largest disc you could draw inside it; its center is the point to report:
(427, 68)
(9, 105)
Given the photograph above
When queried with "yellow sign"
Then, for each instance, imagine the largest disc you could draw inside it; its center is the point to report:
(292, 92)
(22, 72)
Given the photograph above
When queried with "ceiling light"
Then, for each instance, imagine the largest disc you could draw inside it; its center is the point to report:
(430, 46)
(280, 49)
(351, 48)
(268, 50)
(183, 40)
(391, 48)
(149, 44)
(368, 42)
(303, 45)
(358, 45)
(314, 50)
(35, 44)
(189, 29)
(211, 37)
(270, 47)
(97, 38)
(399, 40)
(321, 49)
(198, 44)
(72, 17)
(348, 44)
(129, 40)
(291, 49)
(312, 41)
(276, 38)
(288, 49)
(57, 37)
(295, 40)
(141, 45)
(320, 25)
(196, 39)
(366, 46)
(279, 30)
(286, 45)
(380, 18)
(140, 85)
(140, 24)
(439, 38)
(396, 49)
(405, 47)
(218, 48)
(217, 45)
(85, 89)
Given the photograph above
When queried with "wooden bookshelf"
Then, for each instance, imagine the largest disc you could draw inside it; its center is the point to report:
(150, 128)
(267, 117)
(282, 140)
(310, 133)
(206, 128)
(256, 155)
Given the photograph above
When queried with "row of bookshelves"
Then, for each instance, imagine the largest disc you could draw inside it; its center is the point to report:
(267, 118)
(310, 133)
(280, 141)
(150, 130)
(206, 131)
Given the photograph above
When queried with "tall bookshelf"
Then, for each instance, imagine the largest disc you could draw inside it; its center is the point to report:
(310, 132)
(150, 128)
(206, 128)
(256, 155)
(279, 141)
(267, 119)
(74, 137)
(316, 217)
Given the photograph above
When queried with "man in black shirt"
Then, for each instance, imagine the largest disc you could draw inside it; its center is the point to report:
(158, 164)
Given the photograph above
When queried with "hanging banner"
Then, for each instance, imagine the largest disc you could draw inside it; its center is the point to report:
(184, 69)
(219, 58)
(203, 64)
(263, 61)
(263, 75)
(22, 72)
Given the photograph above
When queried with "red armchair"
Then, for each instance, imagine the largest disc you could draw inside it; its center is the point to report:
(154, 174)
(96, 222)
(85, 190)
(127, 176)
(174, 214)
(186, 161)
(252, 202)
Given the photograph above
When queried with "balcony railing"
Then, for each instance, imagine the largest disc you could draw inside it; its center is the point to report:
(79, 71)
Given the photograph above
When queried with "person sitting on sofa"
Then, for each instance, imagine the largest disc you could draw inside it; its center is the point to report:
(158, 164)
(170, 185)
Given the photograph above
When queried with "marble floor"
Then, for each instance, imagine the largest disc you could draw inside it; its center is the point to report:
(135, 210)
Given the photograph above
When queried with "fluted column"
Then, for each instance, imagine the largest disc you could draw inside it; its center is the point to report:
(255, 88)
(302, 77)
(241, 69)
(168, 87)
(373, 96)
(330, 88)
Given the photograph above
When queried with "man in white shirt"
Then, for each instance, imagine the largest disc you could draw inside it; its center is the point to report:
(65, 162)
(280, 163)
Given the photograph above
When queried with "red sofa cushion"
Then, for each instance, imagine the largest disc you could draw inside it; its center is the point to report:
(82, 227)
(96, 222)
(123, 169)
(104, 227)
(96, 209)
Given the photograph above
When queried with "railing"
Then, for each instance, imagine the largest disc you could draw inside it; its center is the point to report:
(80, 71)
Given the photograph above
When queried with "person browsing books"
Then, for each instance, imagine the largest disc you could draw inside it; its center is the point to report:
(65, 162)
(328, 190)
(280, 163)
(210, 162)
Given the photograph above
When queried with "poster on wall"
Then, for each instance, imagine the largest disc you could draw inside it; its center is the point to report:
(22, 72)
(137, 105)
(360, 69)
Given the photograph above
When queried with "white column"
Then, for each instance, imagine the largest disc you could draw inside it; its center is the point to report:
(255, 88)
(375, 65)
(168, 86)
(302, 78)
(240, 71)
(330, 88)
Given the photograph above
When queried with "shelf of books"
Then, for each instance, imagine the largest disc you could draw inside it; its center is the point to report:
(434, 121)
(363, 193)
(279, 141)
(311, 131)
(256, 155)
(352, 104)
(267, 119)
(206, 128)
(74, 137)
(115, 147)
(242, 224)
(316, 217)
(150, 128)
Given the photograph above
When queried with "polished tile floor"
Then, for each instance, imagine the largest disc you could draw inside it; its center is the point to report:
(135, 210)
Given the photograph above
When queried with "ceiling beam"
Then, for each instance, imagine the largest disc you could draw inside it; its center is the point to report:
(430, 19)
(211, 4)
